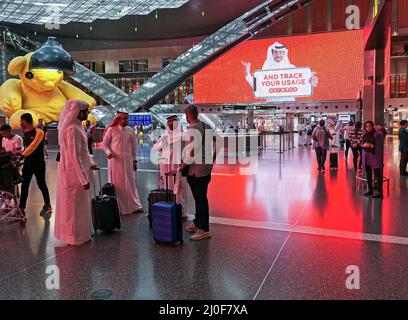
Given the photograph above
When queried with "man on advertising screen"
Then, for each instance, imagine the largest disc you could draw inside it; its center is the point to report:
(277, 58)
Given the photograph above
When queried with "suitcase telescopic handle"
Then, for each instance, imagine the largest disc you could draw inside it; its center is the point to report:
(167, 180)
(167, 186)
(100, 181)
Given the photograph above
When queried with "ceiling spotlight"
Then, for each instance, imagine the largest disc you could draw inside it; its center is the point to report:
(90, 28)
(156, 16)
(136, 29)
(35, 33)
(77, 36)
(203, 14)
(50, 4)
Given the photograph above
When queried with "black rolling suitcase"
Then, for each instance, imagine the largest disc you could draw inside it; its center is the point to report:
(334, 160)
(105, 211)
(159, 195)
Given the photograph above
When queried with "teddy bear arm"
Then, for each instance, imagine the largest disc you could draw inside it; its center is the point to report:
(11, 97)
(73, 93)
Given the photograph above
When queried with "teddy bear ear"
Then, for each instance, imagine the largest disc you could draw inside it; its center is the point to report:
(17, 65)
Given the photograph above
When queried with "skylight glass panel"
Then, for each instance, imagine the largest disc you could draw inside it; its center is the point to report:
(38, 11)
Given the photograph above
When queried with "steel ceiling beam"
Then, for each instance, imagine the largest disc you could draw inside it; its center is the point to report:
(234, 33)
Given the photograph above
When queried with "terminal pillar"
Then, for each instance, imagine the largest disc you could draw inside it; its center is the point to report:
(373, 97)
(290, 123)
(3, 62)
(377, 33)
(250, 118)
(290, 128)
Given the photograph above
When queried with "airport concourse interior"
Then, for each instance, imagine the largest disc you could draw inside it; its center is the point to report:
(204, 150)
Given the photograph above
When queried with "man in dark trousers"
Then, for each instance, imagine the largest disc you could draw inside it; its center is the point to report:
(34, 163)
(321, 144)
(403, 138)
(198, 167)
(90, 131)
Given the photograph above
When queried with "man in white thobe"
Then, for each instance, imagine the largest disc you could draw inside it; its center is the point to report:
(171, 146)
(337, 132)
(309, 132)
(302, 133)
(120, 146)
(73, 221)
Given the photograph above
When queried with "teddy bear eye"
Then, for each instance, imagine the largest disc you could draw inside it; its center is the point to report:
(29, 75)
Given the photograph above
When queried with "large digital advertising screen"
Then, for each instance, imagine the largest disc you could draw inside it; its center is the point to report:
(318, 67)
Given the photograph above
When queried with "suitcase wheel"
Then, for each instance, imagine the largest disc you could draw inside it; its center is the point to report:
(23, 221)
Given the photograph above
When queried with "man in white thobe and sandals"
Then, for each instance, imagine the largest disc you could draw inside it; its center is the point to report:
(120, 146)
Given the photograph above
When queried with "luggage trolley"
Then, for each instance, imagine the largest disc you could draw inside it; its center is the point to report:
(361, 183)
(9, 181)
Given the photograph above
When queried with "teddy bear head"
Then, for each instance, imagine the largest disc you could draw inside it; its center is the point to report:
(40, 80)
(43, 70)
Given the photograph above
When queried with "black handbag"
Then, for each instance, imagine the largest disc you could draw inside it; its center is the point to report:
(184, 172)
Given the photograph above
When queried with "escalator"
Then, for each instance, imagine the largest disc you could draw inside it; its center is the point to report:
(234, 33)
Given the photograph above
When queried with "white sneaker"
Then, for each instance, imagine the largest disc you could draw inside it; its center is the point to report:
(200, 235)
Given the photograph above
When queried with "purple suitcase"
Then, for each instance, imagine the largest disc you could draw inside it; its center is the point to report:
(167, 222)
(160, 195)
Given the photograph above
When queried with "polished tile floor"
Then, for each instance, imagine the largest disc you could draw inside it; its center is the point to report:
(284, 232)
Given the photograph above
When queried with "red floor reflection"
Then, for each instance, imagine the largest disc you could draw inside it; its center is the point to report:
(285, 190)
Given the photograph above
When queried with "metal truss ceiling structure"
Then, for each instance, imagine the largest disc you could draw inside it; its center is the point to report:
(237, 31)
(42, 11)
(184, 66)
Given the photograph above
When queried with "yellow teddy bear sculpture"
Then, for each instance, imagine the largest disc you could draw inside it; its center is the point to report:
(41, 92)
